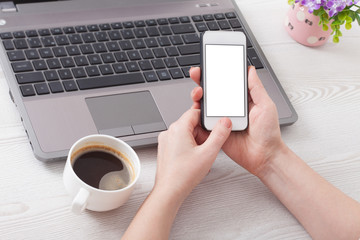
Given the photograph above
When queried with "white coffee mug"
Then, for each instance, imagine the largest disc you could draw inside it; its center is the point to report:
(91, 198)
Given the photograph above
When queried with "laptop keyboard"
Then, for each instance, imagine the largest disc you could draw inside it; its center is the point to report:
(73, 58)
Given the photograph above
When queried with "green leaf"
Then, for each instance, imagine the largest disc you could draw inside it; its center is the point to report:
(358, 19)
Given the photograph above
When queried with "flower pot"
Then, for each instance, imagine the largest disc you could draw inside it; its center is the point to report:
(304, 27)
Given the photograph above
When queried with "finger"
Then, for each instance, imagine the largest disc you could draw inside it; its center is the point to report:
(190, 119)
(195, 74)
(256, 88)
(196, 94)
(217, 137)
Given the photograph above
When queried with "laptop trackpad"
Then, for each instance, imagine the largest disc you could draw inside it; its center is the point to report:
(126, 114)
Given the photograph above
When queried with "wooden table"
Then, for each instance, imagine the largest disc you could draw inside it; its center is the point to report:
(322, 83)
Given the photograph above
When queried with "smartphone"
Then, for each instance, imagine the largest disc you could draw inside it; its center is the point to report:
(224, 79)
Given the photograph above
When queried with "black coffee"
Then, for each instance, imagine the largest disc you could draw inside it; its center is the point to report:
(101, 169)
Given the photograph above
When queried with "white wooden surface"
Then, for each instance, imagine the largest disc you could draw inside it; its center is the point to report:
(322, 83)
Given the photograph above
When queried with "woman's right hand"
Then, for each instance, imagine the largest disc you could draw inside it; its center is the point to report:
(254, 147)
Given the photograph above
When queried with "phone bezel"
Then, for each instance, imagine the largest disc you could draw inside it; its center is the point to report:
(223, 38)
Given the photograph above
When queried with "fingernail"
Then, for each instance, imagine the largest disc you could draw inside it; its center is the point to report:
(226, 122)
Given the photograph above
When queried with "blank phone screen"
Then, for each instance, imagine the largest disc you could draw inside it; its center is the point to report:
(225, 80)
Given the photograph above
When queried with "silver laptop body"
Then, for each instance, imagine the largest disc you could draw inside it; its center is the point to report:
(136, 113)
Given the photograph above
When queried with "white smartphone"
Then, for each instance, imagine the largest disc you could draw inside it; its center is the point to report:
(224, 79)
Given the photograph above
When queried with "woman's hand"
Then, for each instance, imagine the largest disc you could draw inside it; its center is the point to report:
(254, 147)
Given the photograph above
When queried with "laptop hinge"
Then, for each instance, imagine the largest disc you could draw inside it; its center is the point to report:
(8, 7)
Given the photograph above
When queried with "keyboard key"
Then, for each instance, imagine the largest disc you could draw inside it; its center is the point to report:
(40, 65)
(56, 87)
(127, 34)
(31, 33)
(80, 29)
(173, 20)
(153, 31)
(172, 51)
(108, 58)
(176, 73)
(224, 25)
(48, 41)
(19, 34)
(140, 23)
(53, 63)
(189, 49)
(159, 52)
(254, 58)
(213, 26)
(170, 62)
(8, 45)
(158, 63)
(75, 39)
(208, 17)
(138, 43)
(165, 30)
(92, 71)
(230, 15)
(119, 68)
(102, 36)
(106, 69)
(140, 33)
(186, 71)
(24, 66)
(34, 42)
(86, 49)
(105, 26)
(69, 30)
(59, 52)
(151, 42)
(128, 24)
(65, 74)
(201, 27)
(145, 65)
(93, 28)
(121, 56)
(67, 62)
(32, 54)
(114, 35)
(16, 55)
(33, 77)
(99, 47)
(184, 19)
(20, 44)
(146, 54)
(151, 22)
(162, 21)
(73, 50)
(235, 23)
(42, 88)
(112, 80)
(44, 32)
(164, 41)
(51, 75)
(176, 40)
(132, 66)
(81, 61)
(88, 37)
(192, 60)
(78, 72)
(6, 35)
(125, 45)
(150, 76)
(219, 16)
(94, 59)
(116, 25)
(134, 55)
(27, 90)
(197, 18)
(183, 28)
(113, 46)
(191, 38)
(46, 53)
(163, 75)
(70, 85)
(56, 31)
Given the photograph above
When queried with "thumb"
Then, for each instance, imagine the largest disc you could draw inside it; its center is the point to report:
(218, 136)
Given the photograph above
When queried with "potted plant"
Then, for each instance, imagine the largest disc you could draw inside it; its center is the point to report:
(312, 22)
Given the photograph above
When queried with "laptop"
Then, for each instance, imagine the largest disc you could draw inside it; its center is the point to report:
(115, 67)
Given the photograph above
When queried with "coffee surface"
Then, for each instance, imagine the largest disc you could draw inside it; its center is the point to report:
(102, 170)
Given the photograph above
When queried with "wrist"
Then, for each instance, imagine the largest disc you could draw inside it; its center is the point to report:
(277, 160)
(167, 196)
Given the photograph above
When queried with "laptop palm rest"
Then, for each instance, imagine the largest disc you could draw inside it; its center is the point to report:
(126, 114)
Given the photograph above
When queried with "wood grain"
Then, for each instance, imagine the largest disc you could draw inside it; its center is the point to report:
(322, 83)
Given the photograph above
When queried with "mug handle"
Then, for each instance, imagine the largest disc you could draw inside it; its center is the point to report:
(80, 201)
